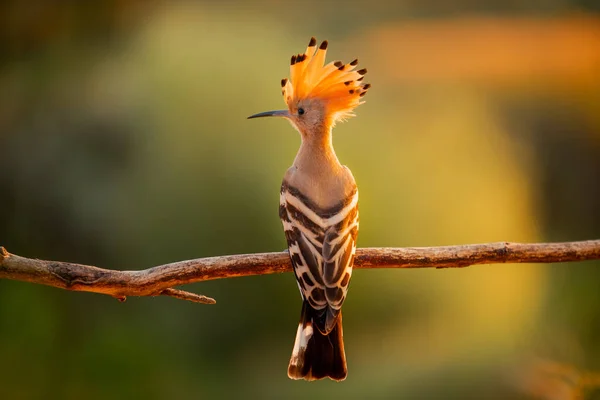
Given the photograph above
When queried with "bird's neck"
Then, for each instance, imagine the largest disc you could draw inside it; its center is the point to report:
(316, 154)
(318, 174)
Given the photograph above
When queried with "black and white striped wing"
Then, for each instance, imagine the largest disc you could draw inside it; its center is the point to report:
(338, 252)
(322, 244)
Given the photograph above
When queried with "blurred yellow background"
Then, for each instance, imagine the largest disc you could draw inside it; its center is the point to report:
(124, 144)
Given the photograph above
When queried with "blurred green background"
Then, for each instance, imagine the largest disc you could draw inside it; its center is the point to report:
(124, 144)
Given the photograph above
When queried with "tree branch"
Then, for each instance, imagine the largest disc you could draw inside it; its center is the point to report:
(160, 280)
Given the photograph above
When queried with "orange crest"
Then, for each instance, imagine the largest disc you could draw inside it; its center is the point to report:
(336, 84)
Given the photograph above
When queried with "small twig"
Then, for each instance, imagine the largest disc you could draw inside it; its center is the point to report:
(162, 279)
(183, 295)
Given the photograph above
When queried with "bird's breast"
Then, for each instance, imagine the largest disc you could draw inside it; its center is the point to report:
(324, 189)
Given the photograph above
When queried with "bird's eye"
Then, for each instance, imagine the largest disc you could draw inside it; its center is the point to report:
(301, 111)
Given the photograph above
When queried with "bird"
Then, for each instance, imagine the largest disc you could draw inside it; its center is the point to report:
(318, 206)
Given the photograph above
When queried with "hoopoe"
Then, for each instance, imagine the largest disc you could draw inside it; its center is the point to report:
(319, 207)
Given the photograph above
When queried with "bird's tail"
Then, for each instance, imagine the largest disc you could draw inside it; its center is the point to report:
(315, 355)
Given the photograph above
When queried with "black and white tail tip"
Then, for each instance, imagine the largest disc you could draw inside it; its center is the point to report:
(315, 355)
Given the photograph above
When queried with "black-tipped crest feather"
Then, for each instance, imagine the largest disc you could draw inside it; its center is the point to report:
(310, 77)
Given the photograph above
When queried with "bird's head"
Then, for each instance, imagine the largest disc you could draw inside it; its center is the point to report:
(318, 95)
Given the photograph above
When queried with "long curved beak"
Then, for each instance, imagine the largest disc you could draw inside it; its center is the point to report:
(276, 113)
